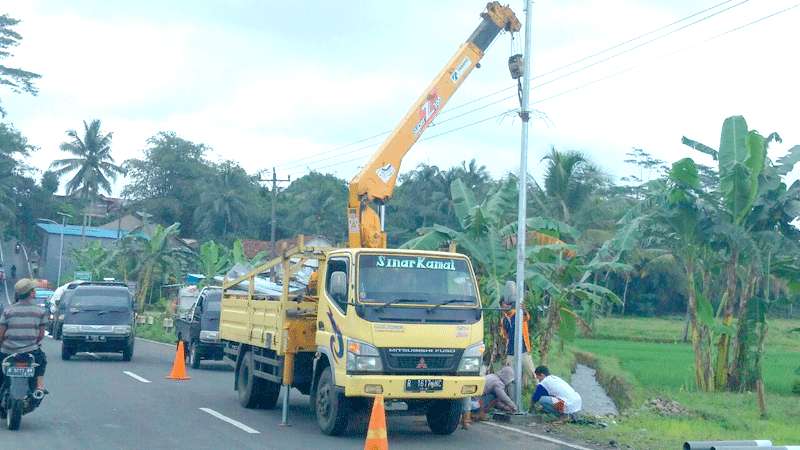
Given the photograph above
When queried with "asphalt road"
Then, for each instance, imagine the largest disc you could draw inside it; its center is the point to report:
(97, 401)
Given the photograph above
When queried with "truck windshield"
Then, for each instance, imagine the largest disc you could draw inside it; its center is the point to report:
(104, 298)
(425, 280)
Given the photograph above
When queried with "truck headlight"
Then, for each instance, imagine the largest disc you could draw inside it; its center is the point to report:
(362, 357)
(66, 328)
(121, 329)
(209, 336)
(471, 359)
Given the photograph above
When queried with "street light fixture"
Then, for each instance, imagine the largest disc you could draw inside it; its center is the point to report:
(61, 250)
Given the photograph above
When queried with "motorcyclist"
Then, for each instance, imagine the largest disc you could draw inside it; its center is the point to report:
(22, 328)
(13, 271)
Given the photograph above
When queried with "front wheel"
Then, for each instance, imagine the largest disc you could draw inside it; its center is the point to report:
(330, 405)
(194, 355)
(127, 354)
(443, 416)
(14, 415)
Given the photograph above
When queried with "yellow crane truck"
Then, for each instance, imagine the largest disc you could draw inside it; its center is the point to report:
(346, 324)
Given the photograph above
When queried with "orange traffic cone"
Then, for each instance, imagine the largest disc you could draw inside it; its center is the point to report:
(179, 366)
(376, 434)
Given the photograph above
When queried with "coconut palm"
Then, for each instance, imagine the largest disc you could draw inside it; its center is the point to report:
(569, 180)
(223, 206)
(93, 164)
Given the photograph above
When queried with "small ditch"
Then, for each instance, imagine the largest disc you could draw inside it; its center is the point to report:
(596, 401)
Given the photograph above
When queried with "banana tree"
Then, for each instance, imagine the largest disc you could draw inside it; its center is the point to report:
(751, 197)
(486, 235)
(212, 260)
(94, 258)
(157, 257)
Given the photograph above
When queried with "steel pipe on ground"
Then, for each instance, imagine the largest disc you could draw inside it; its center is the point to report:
(709, 445)
(751, 447)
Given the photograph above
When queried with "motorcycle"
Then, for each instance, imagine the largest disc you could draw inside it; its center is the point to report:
(18, 393)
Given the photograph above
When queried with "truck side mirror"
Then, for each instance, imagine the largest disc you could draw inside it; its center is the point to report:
(338, 287)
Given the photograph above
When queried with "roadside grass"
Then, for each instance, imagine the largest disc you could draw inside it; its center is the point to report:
(665, 369)
(155, 332)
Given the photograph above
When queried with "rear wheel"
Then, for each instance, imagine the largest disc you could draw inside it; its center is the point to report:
(14, 415)
(255, 392)
(66, 352)
(57, 333)
(443, 415)
(194, 355)
(330, 405)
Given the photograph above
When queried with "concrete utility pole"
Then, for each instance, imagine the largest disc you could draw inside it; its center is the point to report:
(524, 113)
(275, 182)
(61, 251)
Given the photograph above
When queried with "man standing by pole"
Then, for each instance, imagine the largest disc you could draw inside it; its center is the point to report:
(524, 113)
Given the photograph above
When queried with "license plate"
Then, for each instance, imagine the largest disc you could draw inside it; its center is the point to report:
(20, 372)
(425, 385)
(95, 338)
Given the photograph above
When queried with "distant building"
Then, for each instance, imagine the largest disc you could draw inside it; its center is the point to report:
(75, 237)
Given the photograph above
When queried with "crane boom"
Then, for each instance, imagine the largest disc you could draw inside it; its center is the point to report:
(376, 181)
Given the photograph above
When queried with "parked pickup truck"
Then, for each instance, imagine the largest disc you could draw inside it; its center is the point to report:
(199, 329)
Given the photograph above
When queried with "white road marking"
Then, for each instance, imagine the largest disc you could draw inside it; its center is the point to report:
(235, 423)
(537, 436)
(136, 377)
(156, 342)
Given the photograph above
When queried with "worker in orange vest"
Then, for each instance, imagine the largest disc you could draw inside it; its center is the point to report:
(508, 324)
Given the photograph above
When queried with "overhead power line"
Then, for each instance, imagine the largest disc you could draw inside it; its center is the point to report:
(314, 158)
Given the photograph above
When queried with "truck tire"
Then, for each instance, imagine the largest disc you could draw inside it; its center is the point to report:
(194, 355)
(443, 415)
(66, 352)
(255, 392)
(331, 407)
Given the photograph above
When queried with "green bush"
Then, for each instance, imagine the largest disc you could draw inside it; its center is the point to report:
(796, 387)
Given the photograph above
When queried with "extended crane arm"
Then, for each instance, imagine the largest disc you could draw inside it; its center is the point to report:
(377, 179)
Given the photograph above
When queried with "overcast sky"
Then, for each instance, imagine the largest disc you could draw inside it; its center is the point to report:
(269, 83)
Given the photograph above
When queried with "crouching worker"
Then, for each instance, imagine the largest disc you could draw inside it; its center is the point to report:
(494, 393)
(555, 395)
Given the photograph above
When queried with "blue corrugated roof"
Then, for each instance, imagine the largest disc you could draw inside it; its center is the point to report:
(77, 230)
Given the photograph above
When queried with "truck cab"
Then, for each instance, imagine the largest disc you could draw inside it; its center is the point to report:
(403, 324)
(199, 329)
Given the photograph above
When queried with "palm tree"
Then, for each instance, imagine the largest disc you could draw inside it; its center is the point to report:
(568, 181)
(92, 164)
(223, 206)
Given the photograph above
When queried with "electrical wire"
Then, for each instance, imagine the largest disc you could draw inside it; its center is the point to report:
(302, 161)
